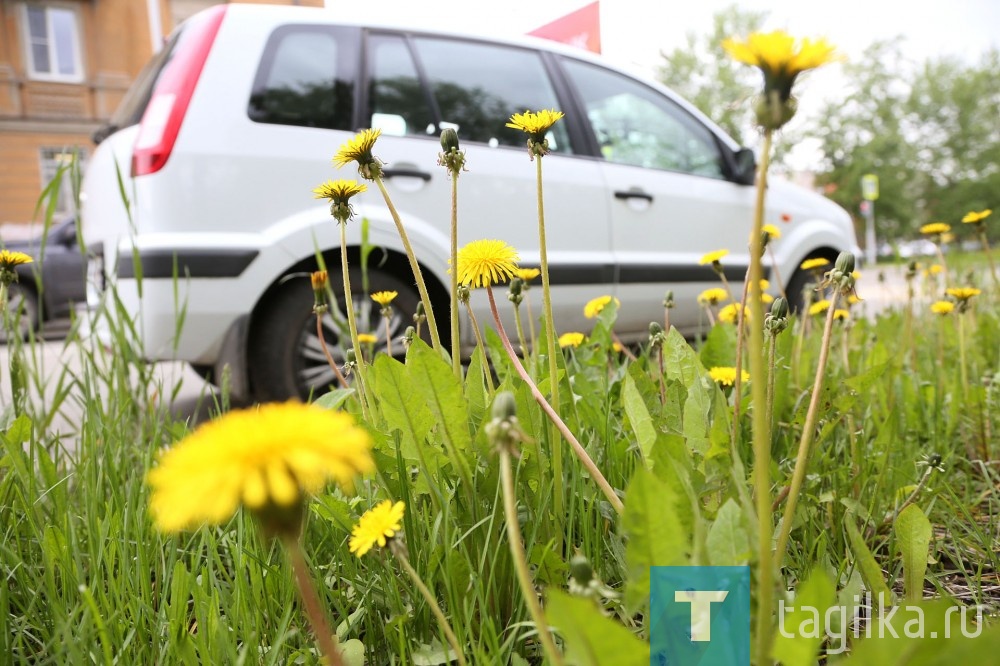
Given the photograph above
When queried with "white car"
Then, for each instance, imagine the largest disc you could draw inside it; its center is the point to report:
(223, 137)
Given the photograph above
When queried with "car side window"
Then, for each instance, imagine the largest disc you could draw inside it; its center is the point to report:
(638, 126)
(306, 78)
(478, 86)
(399, 105)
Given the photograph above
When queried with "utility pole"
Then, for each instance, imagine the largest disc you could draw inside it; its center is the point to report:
(869, 191)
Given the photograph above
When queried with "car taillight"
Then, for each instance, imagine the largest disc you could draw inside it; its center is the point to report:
(161, 122)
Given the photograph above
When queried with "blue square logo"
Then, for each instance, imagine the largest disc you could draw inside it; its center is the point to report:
(699, 616)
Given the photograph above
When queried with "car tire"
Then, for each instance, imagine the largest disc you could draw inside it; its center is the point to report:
(21, 300)
(284, 355)
(801, 280)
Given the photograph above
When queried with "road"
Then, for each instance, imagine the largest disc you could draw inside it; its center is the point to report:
(54, 364)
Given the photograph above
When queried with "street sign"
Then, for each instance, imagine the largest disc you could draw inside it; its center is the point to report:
(869, 186)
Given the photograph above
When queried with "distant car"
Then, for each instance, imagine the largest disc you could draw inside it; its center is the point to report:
(52, 285)
(233, 123)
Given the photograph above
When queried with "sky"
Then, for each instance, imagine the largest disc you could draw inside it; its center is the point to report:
(635, 32)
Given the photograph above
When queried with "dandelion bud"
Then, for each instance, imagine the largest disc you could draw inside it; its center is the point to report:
(351, 356)
(655, 329)
(504, 405)
(463, 294)
(503, 430)
(516, 288)
(668, 300)
(911, 270)
(845, 262)
(408, 336)
(776, 319)
(420, 314)
(580, 569)
(449, 140)
(319, 280)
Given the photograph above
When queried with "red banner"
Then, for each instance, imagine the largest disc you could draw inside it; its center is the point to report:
(581, 28)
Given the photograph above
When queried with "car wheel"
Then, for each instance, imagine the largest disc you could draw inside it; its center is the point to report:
(797, 290)
(22, 302)
(286, 359)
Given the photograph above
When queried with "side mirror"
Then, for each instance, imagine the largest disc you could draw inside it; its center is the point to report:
(744, 166)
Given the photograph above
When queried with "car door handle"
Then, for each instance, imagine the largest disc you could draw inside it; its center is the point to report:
(634, 194)
(406, 173)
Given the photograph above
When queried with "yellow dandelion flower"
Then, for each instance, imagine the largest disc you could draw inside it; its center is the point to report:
(772, 231)
(729, 313)
(852, 299)
(963, 293)
(973, 217)
(942, 307)
(713, 296)
(384, 298)
(856, 275)
(11, 258)
(377, 526)
(594, 307)
(483, 263)
(814, 263)
(265, 456)
(527, 274)
(571, 339)
(819, 307)
(617, 346)
(935, 229)
(318, 279)
(766, 298)
(841, 314)
(535, 124)
(712, 257)
(764, 285)
(935, 269)
(357, 149)
(780, 57)
(727, 375)
(367, 338)
(339, 191)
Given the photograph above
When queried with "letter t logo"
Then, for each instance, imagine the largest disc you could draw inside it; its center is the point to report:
(701, 611)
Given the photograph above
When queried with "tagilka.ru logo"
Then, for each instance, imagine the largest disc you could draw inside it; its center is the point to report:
(699, 616)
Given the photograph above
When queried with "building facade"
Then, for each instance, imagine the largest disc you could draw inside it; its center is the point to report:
(64, 67)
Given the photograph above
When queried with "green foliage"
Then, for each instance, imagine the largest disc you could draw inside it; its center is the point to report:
(926, 129)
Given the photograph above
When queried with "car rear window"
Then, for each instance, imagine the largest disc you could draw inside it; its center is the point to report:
(133, 104)
(306, 78)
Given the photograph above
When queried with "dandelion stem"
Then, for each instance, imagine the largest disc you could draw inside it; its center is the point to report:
(581, 453)
(737, 381)
(482, 347)
(520, 331)
(418, 276)
(801, 460)
(442, 621)
(311, 603)
(352, 322)
(761, 419)
(961, 355)
(550, 341)
(326, 351)
(521, 560)
(456, 342)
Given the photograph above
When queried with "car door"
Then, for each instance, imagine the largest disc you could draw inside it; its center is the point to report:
(419, 84)
(670, 199)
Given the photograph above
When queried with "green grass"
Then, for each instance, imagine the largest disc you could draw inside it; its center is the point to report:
(87, 578)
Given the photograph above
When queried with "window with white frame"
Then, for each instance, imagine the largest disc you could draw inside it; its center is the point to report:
(52, 41)
(59, 162)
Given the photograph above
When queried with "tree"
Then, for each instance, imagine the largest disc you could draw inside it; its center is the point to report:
(709, 78)
(928, 130)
